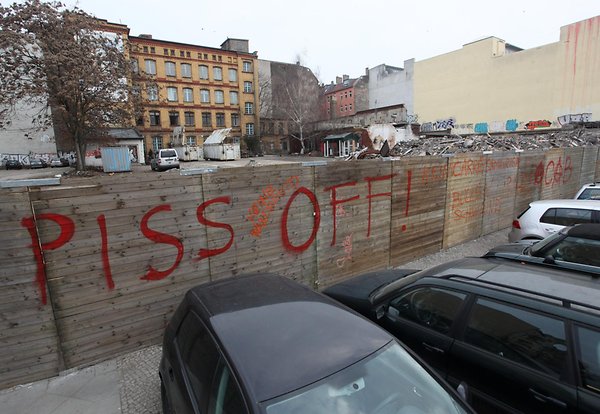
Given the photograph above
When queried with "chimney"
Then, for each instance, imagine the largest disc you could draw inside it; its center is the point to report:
(145, 36)
(345, 77)
(338, 80)
(367, 72)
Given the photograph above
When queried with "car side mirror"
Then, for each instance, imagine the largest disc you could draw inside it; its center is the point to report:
(463, 391)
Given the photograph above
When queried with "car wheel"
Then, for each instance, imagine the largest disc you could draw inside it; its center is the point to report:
(166, 405)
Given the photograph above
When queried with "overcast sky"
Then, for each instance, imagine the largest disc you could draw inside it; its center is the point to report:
(334, 37)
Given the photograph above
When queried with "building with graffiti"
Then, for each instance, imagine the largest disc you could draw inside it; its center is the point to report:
(492, 86)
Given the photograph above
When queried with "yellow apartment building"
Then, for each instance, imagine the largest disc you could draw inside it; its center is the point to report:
(195, 87)
(492, 86)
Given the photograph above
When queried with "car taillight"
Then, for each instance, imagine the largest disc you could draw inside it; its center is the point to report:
(516, 224)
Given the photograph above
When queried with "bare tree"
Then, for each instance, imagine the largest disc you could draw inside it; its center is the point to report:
(296, 98)
(65, 60)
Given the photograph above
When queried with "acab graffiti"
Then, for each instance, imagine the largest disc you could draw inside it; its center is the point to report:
(67, 226)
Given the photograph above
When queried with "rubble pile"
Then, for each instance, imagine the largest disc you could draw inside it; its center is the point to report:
(452, 144)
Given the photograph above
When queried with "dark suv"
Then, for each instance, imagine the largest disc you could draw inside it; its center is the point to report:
(525, 337)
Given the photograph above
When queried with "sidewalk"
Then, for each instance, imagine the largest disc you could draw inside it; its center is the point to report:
(128, 384)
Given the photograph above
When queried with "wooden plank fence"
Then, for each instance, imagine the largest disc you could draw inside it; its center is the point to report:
(96, 266)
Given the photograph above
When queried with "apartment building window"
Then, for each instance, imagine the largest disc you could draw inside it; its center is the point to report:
(249, 108)
(247, 66)
(235, 120)
(203, 71)
(172, 94)
(204, 96)
(152, 92)
(250, 129)
(232, 75)
(247, 86)
(174, 118)
(191, 140)
(170, 69)
(186, 70)
(154, 118)
(188, 95)
(152, 50)
(166, 52)
(157, 143)
(206, 56)
(220, 119)
(188, 54)
(233, 98)
(206, 119)
(145, 49)
(172, 52)
(150, 66)
(181, 53)
(219, 97)
(350, 94)
(217, 73)
(189, 118)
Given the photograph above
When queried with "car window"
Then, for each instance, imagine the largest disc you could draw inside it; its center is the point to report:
(529, 338)
(168, 153)
(589, 357)
(566, 216)
(590, 194)
(431, 307)
(575, 250)
(199, 355)
(226, 397)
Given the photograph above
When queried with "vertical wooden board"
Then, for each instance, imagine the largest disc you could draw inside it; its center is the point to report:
(588, 166)
(105, 302)
(28, 334)
(500, 187)
(255, 199)
(529, 180)
(345, 246)
(572, 165)
(418, 207)
(464, 199)
(553, 174)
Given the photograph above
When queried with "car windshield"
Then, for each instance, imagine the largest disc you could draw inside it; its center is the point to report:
(390, 381)
(574, 250)
(590, 194)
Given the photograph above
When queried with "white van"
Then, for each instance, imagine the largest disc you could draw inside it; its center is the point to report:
(165, 159)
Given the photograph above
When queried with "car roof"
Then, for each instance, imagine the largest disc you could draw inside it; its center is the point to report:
(281, 335)
(591, 204)
(572, 286)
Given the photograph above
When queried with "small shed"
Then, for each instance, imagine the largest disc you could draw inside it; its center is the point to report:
(220, 145)
(340, 145)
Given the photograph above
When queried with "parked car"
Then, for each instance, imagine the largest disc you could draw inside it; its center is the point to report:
(590, 191)
(266, 344)
(570, 247)
(524, 336)
(165, 159)
(59, 162)
(542, 218)
(37, 163)
(12, 164)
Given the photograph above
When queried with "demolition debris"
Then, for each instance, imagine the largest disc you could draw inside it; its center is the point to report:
(454, 144)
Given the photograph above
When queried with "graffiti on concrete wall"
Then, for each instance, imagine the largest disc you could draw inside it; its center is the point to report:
(481, 128)
(511, 125)
(412, 118)
(540, 123)
(574, 118)
(439, 125)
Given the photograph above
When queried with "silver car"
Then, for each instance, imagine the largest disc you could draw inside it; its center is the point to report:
(545, 217)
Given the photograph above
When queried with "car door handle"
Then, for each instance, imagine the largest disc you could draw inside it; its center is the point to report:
(547, 399)
(432, 348)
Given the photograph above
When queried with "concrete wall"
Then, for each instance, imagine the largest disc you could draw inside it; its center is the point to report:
(488, 86)
(21, 138)
(389, 85)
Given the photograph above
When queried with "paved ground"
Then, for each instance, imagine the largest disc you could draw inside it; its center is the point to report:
(129, 384)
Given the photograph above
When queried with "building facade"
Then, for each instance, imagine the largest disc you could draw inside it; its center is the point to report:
(345, 97)
(492, 86)
(195, 87)
(390, 85)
